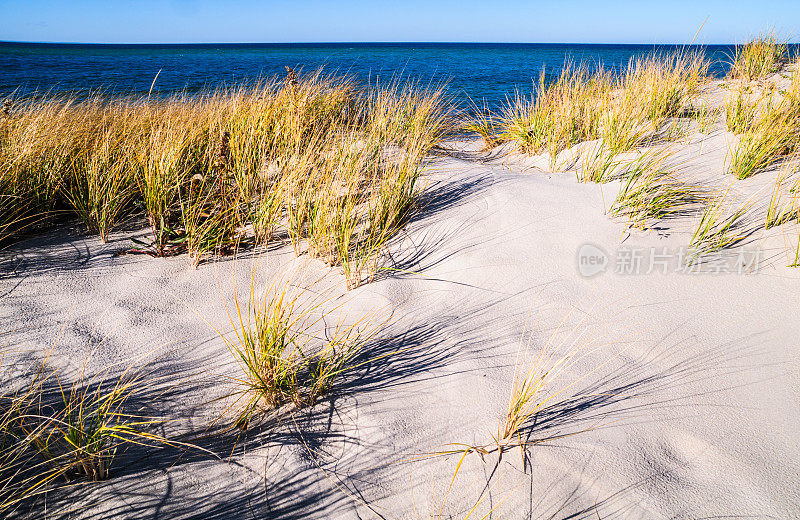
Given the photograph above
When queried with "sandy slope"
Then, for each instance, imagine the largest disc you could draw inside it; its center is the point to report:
(688, 385)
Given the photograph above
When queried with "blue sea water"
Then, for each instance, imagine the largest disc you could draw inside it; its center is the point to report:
(489, 72)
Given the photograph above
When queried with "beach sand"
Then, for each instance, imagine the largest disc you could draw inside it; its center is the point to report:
(683, 402)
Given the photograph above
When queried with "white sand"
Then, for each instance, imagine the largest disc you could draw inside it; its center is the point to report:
(688, 386)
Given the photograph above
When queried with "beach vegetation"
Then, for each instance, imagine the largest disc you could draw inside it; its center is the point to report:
(333, 162)
(651, 192)
(719, 227)
(55, 435)
(763, 55)
(707, 118)
(740, 112)
(773, 135)
(287, 351)
(784, 203)
(484, 122)
(598, 163)
(624, 110)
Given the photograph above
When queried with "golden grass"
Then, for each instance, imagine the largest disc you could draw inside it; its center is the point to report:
(719, 228)
(740, 112)
(286, 348)
(772, 136)
(204, 168)
(598, 164)
(707, 118)
(651, 192)
(646, 104)
(784, 205)
(768, 125)
(559, 115)
(54, 435)
(483, 122)
(621, 110)
(759, 57)
(540, 382)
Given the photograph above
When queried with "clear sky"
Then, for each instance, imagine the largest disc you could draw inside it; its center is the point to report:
(572, 21)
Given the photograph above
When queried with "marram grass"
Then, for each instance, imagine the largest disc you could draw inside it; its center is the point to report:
(773, 135)
(287, 349)
(784, 203)
(720, 228)
(759, 57)
(651, 192)
(707, 118)
(334, 163)
(55, 435)
(740, 112)
(623, 110)
(483, 122)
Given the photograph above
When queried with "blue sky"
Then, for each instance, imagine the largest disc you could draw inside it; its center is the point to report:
(573, 21)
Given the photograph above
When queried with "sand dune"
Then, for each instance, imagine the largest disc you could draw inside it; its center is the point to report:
(683, 402)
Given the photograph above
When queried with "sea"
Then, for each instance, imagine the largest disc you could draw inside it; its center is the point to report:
(474, 74)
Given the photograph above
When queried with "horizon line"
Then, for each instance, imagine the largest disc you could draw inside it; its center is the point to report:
(398, 42)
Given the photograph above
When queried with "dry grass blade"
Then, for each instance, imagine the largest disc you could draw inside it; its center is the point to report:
(784, 205)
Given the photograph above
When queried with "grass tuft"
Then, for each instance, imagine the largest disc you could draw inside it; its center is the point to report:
(718, 229)
(286, 350)
(759, 57)
(740, 112)
(773, 136)
(707, 118)
(781, 210)
(485, 123)
(54, 435)
(651, 192)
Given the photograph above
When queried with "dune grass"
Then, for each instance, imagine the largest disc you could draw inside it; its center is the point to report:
(706, 117)
(740, 112)
(768, 126)
(34, 159)
(598, 164)
(205, 169)
(559, 115)
(759, 57)
(287, 350)
(209, 218)
(719, 228)
(651, 192)
(623, 110)
(774, 134)
(97, 184)
(54, 435)
(784, 205)
(646, 104)
(662, 86)
(483, 122)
